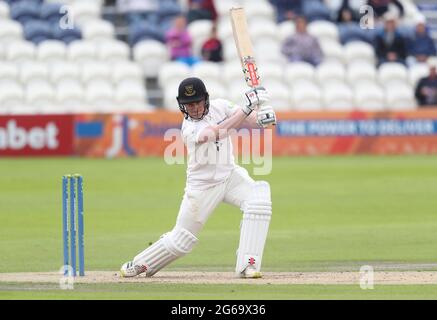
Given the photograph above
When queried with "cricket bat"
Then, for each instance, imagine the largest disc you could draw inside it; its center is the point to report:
(244, 46)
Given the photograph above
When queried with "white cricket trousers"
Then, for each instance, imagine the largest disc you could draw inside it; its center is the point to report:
(198, 205)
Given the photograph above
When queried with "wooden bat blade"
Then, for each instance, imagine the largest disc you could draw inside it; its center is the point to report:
(244, 46)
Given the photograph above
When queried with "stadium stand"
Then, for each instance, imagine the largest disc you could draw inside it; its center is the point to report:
(103, 58)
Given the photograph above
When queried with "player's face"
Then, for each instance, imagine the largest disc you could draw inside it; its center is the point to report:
(195, 109)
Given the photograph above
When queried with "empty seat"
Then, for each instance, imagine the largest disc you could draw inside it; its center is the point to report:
(70, 95)
(296, 71)
(151, 55)
(230, 52)
(24, 11)
(392, 72)
(37, 31)
(224, 28)
(126, 72)
(51, 51)
(278, 91)
(51, 12)
(332, 51)
(200, 30)
(144, 31)
(21, 52)
(98, 30)
(337, 97)
(330, 71)
(268, 50)
(40, 94)
(260, 31)
(66, 35)
(359, 72)
(11, 97)
(113, 51)
(215, 89)
(359, 51)
(172, 72)
(131, 97)
(207, 71)
(64, 71)
(85, 11)
(259, 11)
(232, 73)
(271, 71)
(82, 52)
(323, 30)
(306, 96)
(416, 72)
(33, 72)
(10, 31)
(100, 96)
(96, 71)
(4, 10)
(400, 96)
(369, 97)
(8, 72)
(286, 29)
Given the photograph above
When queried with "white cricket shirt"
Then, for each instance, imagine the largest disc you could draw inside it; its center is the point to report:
(209, 163)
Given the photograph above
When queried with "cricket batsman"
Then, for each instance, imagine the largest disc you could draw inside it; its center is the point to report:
(205, 131)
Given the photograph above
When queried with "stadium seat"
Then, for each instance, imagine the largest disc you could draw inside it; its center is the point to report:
(4, 11)
(10, 31)
(37, 31)
(33, 72)
(51, 12)
(351, 32)
(358, 72)
(200, 30)
(151, 55)
(400, 96)
(279, 94)
(323, 30)
(51, 51)
(82, 52)
(98, 30)
(11, 97)
(332, 51)
(113, 51)
(131, 97)
(229, 50)
(40, 95)
(271, 71)
(286, 29)
(8, 72)
(126, 72)
(172, 72)
(144, 31)
(215, 89)
(65, 71)
(327, 72)
(66, 35)
(392, 72)
(223, 7)
(21, 52)
(85, 11)
(95, 71)
(224, 28)
(24, 11)
(206, 70)
(315, 10)
(337, 96)
(305, 96)
(296, 71)
(369, 97)
(268, 50)
(260, 11)
(232, 73)
(99, 95)
(357, 51)
(170, 93)
(262, 31)
(416, 72)
(70, 96)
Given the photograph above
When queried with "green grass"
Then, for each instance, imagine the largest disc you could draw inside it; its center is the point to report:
(327, 212)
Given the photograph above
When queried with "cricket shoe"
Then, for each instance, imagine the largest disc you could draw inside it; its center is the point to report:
(251, 273)
(129, 269)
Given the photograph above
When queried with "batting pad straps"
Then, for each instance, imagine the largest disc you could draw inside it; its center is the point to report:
(254, 227)
(168, 248)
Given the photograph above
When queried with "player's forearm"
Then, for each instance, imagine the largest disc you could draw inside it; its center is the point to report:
(220, 131)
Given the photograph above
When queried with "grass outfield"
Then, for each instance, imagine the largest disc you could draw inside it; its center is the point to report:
(329, 213)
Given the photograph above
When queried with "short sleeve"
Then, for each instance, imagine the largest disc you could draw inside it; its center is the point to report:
(227, 106)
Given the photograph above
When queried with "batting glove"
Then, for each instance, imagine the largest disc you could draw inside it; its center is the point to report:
(255, 98)
(266, 116)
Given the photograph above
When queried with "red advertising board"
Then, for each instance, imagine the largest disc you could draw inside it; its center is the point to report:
(45, 135)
